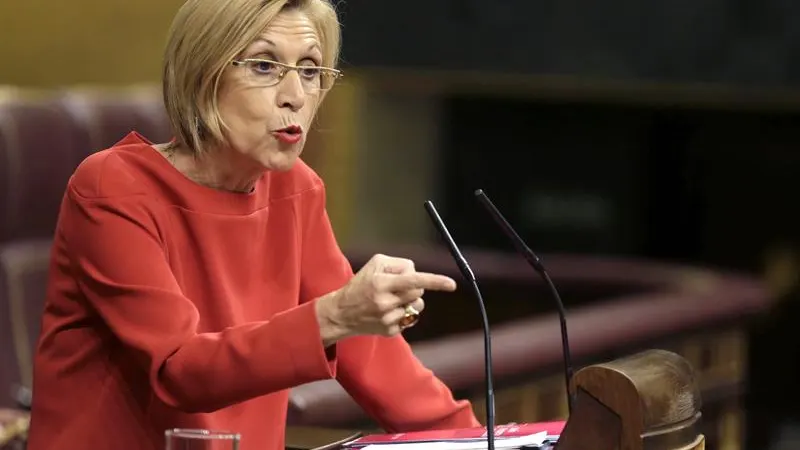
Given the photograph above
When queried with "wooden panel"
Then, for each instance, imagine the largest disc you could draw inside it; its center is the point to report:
(332, 152)
(97, 41)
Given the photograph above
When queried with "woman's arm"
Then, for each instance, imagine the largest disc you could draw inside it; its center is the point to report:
(390, 383)
(120, 265)
(380, 373)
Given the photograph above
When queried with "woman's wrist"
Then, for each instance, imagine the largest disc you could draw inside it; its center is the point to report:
(330, 328)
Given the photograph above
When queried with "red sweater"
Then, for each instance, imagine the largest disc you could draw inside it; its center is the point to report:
(170, 304)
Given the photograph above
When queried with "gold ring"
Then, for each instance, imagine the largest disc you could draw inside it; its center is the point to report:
(410, 318)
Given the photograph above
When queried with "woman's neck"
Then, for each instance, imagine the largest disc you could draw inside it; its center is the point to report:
(217, 168)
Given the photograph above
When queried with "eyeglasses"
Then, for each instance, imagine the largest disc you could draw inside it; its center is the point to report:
(265, 73)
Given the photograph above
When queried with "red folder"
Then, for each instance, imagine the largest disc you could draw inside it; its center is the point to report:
(460, 434)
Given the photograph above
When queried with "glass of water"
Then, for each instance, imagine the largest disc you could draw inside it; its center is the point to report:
(195, 439)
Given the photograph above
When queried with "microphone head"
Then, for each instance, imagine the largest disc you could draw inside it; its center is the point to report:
(463, 266)
(483, 199)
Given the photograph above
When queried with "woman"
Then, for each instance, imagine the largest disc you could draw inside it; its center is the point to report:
(193, 283)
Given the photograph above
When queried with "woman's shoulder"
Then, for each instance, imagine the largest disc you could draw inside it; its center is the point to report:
(132, 167)
(114, 172)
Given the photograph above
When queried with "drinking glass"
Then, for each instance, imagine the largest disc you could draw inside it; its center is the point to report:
(194, 439)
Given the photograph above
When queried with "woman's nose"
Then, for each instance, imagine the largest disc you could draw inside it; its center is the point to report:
(291, 93)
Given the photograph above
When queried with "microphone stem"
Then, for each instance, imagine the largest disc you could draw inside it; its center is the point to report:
(537, 265)
(466, 271)
(564, 336)
(487, 351)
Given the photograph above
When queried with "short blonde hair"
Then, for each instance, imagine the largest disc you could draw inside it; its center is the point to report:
(206, 35)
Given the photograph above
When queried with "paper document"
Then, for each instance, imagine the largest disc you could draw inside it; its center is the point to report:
(532, 440)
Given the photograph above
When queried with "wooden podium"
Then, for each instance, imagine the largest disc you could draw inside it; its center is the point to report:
(647, 401)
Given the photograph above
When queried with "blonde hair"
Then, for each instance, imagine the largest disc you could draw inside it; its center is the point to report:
(206, 35)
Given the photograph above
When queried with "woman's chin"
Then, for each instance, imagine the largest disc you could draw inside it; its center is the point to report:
(281, 161)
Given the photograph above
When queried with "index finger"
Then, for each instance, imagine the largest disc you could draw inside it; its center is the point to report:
(421, 280)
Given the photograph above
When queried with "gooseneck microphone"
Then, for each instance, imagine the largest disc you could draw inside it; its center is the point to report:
(536, 263)
(466, 271)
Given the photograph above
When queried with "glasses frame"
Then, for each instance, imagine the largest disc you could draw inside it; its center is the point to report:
(334, 74)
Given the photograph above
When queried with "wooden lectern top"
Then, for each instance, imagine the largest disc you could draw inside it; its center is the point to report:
(648, 401)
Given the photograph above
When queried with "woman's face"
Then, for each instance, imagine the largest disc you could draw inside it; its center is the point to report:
(268, 123)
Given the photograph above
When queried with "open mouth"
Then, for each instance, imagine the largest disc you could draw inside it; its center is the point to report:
(292, 130)
(289, 135)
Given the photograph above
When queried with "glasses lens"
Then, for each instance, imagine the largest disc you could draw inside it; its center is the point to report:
(262, 73)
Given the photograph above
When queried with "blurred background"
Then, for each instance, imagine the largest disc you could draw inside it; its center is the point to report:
(648, 150)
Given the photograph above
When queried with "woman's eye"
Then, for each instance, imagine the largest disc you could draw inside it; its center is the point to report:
(309, 72)
(263, 67)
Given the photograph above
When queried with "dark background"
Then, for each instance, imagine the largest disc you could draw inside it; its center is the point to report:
(693, 181)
